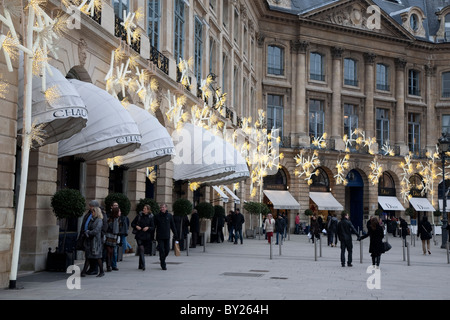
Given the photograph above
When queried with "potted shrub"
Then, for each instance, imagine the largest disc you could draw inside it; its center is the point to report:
(151, 202)
(181, 208)
(205, 213)
(309, 212)
(255, 208)
(66, 204)
(121, 199)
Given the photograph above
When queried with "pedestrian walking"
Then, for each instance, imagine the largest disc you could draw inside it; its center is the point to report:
(404, 229)
(143, 225)
(279, 227)
(194, 227)
(315, 228)
(269, 225)
(229, 220)
(93, 267)
(376, 247)
(344, 231)
(112, 239)
(238, 221)
(93, 242)
(163, 224)
(424, 231)
(332, 229)
(297, 224)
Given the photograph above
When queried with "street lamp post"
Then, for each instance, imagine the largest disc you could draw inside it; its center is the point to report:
(444, 144)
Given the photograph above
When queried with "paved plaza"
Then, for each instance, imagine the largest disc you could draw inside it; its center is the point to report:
(245, 272)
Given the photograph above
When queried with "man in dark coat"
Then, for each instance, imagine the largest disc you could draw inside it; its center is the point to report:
(238, 221)
(194, 226)
(344, 230)
(163, 224)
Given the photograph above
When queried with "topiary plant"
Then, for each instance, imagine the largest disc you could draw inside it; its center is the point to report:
(309, 212)
(151, 202)
(219, 211)
(256, 208)
(205, 210)
(182, 207)
(66, 204)
(121, 199)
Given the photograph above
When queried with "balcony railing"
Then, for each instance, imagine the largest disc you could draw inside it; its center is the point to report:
(317, 77)
(159, 60)
(383, 87)
(119, 31)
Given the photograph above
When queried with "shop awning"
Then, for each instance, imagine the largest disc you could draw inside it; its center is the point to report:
(390, 203)
(156, 144)
(231, 193)
(325, 201)
(282, 199)
(241, 173)
(421, 204)
(447, 205)
(223, 196)
(62, 112)
(110, 130)
(201, 156)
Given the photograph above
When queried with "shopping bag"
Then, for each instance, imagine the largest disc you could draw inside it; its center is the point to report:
(177, 248)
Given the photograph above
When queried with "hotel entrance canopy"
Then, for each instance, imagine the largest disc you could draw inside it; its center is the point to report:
(223, 196)
(282, 199)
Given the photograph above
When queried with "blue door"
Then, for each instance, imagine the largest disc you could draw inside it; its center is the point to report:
(355, 189)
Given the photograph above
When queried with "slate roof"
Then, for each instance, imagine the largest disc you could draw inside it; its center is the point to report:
(392, 8)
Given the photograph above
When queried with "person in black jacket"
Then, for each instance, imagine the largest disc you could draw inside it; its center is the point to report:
(376, 234)
(424, 231)
(344, 230)
(144, 226)
(238, 221)
(163, 224)
(194, 226)
(280, 225)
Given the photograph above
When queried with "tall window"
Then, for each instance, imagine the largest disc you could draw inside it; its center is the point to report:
(236, 27)
(225, 73)
(212, 56)
(179, 30)
(382, 77)
(225, 13)
(414, 133)
(316, 70)
(275, 113)
(382, 127)
(236, 86)
(447, 27)
(445, 123)
(198, 52)
(153, 20)
(350, 119)
(413, 82)
(350, 72)
(316, 118)
(446, 85)
(120, 6)
(275, 63)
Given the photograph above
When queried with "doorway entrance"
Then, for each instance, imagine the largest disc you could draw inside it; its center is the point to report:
(354, 192)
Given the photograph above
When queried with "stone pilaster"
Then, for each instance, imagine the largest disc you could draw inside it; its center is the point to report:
(336, 107)
(400, 116)
(430, 73)
(369, 89)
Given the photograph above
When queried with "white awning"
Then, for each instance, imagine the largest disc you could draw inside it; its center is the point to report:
(390, 203)
(447, 205)
(201, 156)
(325, 201)
(231, 193)
(156, 144)
(421, 204)
(223, 196)
(110, 130)
(241, 173)
(62, 113)
(282, 199)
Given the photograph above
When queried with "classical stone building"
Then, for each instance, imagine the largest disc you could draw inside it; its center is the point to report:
(314, 66)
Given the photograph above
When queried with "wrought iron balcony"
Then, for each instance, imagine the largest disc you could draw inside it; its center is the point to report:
(119, 31)
(159, 60)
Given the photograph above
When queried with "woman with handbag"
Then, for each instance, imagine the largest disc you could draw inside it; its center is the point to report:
(424, 230)
(93, 243)
(376, 246)
(143, 227)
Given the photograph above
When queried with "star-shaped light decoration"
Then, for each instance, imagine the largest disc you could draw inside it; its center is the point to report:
(90, 6)
(116, 161)
(175, 113)
(342, 165)
(428, 171)
(307, 165)
(194, 185)
(151, 174)
(130, 27)
(405, 184)
(387, 149)
(184, 66)
(377, 171)
(320, 142)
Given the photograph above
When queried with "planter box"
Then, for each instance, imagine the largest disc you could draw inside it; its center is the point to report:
(59, 261)
(250, 233)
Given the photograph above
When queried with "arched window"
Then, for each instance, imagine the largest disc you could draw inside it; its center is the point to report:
(416, 188)
(320, 182)
(386, 185)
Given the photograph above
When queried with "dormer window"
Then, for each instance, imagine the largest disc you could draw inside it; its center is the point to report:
(414, 22)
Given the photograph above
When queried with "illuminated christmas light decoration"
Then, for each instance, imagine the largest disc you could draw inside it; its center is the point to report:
(342, 165)
(387, 150)
(320, 142)
(377, 171)
(116, 161)
(307, 165)
(151, 174)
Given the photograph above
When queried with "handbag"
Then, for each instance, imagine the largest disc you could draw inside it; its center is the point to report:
(387, 246)
(80, 242)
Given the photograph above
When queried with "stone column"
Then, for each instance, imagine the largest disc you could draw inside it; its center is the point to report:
(369, 89)
(300, 110)
(431, 136)
(165, 185)
(400, 116)
(336, 108)
(97, 181)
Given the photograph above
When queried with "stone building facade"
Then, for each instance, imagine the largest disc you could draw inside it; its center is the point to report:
(315, 67)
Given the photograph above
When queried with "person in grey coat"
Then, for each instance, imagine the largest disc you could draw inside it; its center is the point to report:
(344, 231)
(93, 243)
